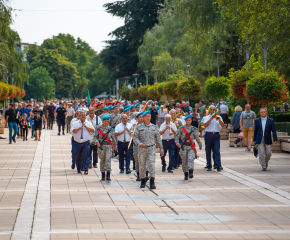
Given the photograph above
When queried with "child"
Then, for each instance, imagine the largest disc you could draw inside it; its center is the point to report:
(24, 126)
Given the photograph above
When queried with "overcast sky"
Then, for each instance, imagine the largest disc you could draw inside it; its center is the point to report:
(39, 23)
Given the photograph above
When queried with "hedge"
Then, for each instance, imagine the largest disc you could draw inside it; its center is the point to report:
(280, 117)
(283, 127)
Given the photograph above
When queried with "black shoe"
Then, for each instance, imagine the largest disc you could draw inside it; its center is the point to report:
(163, 168)
(176, 167)
(90, 166)
(170, 171)
(73, 166)
(134, 168)
(108, 176)
(86, 172)
(147, 178)
(14, 140)
(186, 176)
(10, 142)
(121, 171)
(83, 170)
(209, 169)
(23, 139)
(219, 169)
(206, 166)
(214, 166)
(79, 171)
(128, 172)
(138, 178)
(95, 165)
(63, 133)
(143, 183)
(103, 176)
(190, 173)
(43, 127)
(152, 184)
(58, 134)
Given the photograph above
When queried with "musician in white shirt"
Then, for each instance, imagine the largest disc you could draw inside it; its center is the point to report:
(122, 132)
(168, 131)
(70, 114)
(81, 130)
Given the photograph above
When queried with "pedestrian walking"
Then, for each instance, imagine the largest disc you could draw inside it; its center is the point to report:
(146, 137)
(154, 114)
(60, 117)
(161, 115)
(70, 114)
(50, 115)
(224, 112)
(167, 131)
(10, 117)
(38, 115)
(247, 120)
(78, 116)
(24, 126)
(264, 128)
(235, 123)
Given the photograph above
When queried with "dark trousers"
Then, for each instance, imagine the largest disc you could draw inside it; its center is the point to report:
(24, 131)
(81, 155)
(61, 122)
(212, 142)
(50, 121)
(124, 152)
(73, 151)
(238, 139)
(93, 154)
(176, 156)
(170, 146)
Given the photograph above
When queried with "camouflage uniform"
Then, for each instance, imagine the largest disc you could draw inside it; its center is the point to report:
(98, 112)
(148, 135)
(187, 155)
(131, 116)
(105, 154)
(115, 119)
(104, 114)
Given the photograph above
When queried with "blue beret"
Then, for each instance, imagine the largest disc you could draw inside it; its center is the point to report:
(188, 116)
(133, 106)
(126, 109)
(145, 113)
(111, 108)
(139, 114)
(107, 117)
(105, 108)
(138, 104)
(116, 106)
(127, 106)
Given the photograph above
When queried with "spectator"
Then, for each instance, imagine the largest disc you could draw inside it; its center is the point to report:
(185, 108)
(154, 114)
(26, 110)
(202, 112)
(70, 114)
(31, 122)
(10, 117)
(161, 115)
(24, 126)
(76, 106)
(197, 108)
(37, 117)
(224, 112)
(247, 120)
(235, 123)
(50, 115)
(173, 105)
(194, 121)
(44, 110)
(264, 127)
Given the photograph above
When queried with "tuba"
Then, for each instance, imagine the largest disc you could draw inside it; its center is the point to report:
(177, 116)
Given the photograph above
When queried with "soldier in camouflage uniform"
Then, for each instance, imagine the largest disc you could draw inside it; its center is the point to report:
(137, 107)
(100, 110)
(105, 113)
(187, 154)
(111, 110)
(146, 136)
(178, 124)
(131, 114)
(105, 154)
(115, 117)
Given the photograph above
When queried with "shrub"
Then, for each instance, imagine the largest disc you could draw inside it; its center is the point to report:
(143, 91)
(134, 94)
(217, 87)
(170, 89)
(152, 91)
(189, 87)
(280, 117)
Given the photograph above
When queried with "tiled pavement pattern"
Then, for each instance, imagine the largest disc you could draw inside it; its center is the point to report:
(42, 198)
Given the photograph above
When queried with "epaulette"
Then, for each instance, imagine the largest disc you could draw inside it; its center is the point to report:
(98, 127)
(181, 126)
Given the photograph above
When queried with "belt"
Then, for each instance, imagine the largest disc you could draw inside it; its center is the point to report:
(187, 144)
(168, 139)
(123, 142)
(82, 142)
(150, 145)
(213, 132)
(105, 143)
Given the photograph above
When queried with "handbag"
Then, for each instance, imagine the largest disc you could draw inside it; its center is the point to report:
(256, 151)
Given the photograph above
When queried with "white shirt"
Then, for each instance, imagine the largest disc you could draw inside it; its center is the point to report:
(86, 133)
(182, 120)
(165, 135)
(133, 122)
(264, 121)
(161, 114)
(120, 128)
(94, 121)
(224, 109)
(70, 111)
(214, 125)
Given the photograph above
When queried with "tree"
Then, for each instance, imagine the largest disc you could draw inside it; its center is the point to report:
(41, 85)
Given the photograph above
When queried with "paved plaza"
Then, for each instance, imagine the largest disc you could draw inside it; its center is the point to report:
(41, 197)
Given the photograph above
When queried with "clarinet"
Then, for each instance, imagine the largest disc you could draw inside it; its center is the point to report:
(82, 131)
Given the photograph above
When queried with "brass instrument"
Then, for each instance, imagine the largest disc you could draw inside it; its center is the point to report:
(218, 118)
(177, 116)
(201, 127)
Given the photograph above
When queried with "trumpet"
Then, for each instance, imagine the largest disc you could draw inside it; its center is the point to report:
(217, 118)
(201, 127)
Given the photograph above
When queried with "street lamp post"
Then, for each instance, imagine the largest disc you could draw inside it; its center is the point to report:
(147, 76)
(114, 90)
(127, 80)
(218, 56)
(156, 73)
(136, 75)
(265, 50)
(117, 83)
(247, 50)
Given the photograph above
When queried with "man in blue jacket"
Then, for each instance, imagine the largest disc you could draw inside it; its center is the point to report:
(264, 126)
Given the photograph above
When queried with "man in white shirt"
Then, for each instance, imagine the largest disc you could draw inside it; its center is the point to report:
(122, 132)
(70, 114)
(81, 130)
(213, 124)
(167, 132)
(161, 115)
(224, 112)
(95, 121)
(78, 116)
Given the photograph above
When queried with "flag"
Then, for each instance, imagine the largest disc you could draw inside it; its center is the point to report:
(89, 97)
(214, 116)
(145, 107)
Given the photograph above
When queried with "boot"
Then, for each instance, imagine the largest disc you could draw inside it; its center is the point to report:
(143, 183)
(152, 184)
(186, 176)
(108, 176)
(138, 178)
(191, 173)
(103, 176)
(147, 178)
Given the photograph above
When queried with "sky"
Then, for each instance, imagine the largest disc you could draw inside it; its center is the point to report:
(35, 22)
